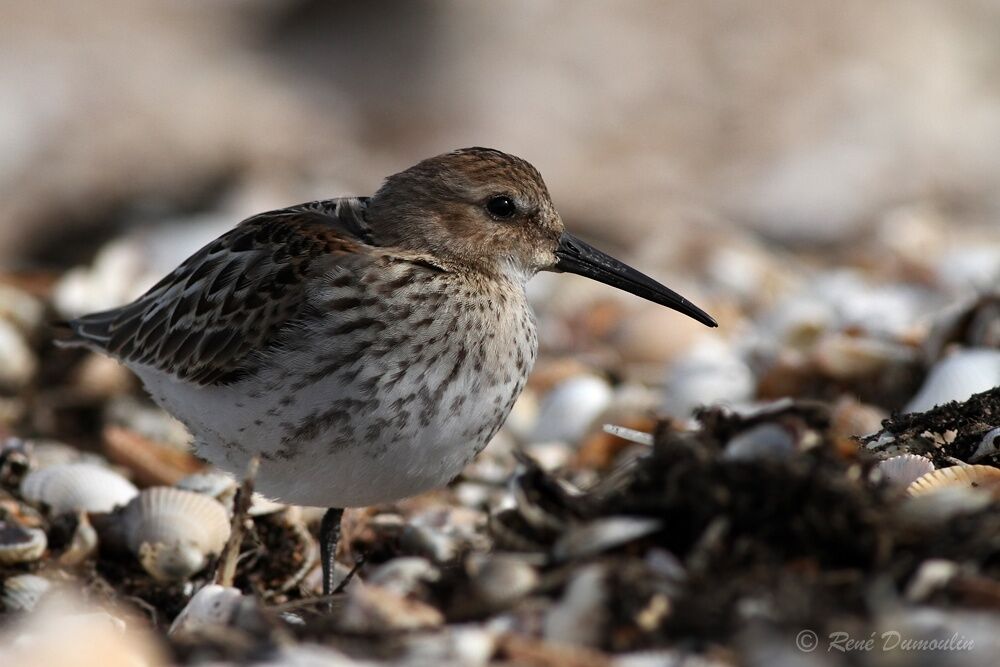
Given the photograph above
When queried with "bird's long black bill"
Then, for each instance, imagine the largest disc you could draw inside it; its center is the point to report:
(575, 256)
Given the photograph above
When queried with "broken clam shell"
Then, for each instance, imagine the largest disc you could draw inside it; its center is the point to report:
(173, 532)
(973, 477)
(73, 487)
(19, 544)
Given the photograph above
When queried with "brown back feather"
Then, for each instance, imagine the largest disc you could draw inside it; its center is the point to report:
(234, 296)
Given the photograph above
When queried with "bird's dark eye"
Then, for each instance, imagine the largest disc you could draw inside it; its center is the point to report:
(501, 206)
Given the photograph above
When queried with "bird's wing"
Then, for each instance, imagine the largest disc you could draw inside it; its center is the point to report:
(234, 296)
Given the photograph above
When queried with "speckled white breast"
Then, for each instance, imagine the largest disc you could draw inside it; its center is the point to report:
(370, 404)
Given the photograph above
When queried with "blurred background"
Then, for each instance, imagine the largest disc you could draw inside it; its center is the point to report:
(802, 120)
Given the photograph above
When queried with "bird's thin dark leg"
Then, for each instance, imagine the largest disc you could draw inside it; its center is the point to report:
(329, 535)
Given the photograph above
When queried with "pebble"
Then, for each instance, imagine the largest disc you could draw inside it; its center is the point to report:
(711, 374)
(571, 408)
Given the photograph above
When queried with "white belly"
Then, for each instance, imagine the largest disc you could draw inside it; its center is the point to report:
(387, 425)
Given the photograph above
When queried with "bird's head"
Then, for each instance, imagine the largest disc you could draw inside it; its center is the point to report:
(485, 210)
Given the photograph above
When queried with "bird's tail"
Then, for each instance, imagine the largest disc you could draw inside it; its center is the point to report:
(90, 330)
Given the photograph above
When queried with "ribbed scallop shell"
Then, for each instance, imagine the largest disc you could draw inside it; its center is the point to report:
(19, 544)
(984, 477)
(173, 532)
(71, 487)
(901, 471)
(23, 591)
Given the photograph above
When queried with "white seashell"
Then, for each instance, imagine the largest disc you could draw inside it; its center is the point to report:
(579, 618)
(969, 266)
(748, 270)
(581, 541)
(467, 645)
(261, 506)
(886, 309)
(550, 455)
(101, 378)
(932, 575)
(212, 605)
(712, 373)
(21, 308)
(222, 487)
(901, 471)
(523, 417)
(971, 477)
(83, 545)
(434, 543)
(974, 323)
(630, 434)
(440, 534)
(371, 608)
(19, 544)
(17, 361)
(73, 487)
(665, 565)
(882, 442)
(988, 446)
(47, 453)
(569, 410)
(797, 320)
(763, 441)
(173, 532)
(847, 357)
(117, 276)
(148, 421)
(23, 591)
(957, 377)
(218, 485)
(501, 580)
(403, 576)
(652, 336)
(930, 511)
